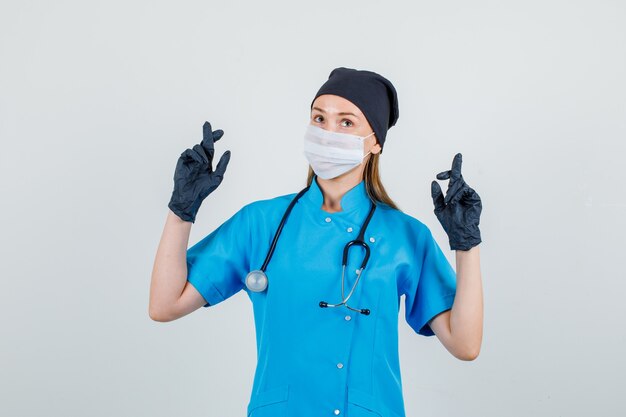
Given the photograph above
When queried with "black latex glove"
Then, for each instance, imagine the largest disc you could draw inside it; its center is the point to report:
(459, 212)
(194, 178)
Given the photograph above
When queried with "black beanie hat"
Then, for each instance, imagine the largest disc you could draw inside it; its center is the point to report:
(372, 93)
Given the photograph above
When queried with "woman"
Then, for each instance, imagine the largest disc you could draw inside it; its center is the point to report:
(327, 333)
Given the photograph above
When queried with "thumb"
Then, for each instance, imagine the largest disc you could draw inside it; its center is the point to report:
(435, 192)
(220, 169)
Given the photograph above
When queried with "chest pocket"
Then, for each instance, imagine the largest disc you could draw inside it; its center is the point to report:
(270, 403)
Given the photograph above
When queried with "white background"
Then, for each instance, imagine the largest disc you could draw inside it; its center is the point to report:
(98, 100)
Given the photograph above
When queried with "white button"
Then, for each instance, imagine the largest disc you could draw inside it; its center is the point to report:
(372, 239)
(327, 219)
(340, 365)
(358, 271)
(348, 318)
(337, 412)
(349, 229)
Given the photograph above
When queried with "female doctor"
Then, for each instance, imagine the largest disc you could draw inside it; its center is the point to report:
(325, 267)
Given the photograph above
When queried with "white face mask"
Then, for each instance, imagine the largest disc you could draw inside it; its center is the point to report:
(331, 154)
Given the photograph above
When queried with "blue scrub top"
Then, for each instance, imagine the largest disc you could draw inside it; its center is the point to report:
(333, 361)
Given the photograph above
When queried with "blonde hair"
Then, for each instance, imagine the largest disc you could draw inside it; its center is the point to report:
(373, 185)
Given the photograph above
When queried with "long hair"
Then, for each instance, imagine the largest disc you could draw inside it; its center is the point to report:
(373, 185)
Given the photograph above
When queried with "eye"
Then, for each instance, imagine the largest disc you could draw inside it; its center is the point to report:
(349, 121)
(315, 118)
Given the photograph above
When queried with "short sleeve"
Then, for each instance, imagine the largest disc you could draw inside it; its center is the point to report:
(431, 287)
(218, 264)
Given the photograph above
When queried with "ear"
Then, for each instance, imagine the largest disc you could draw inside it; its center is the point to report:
(375, 149)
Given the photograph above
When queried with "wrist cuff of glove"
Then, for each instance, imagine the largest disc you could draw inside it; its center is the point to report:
(466, 244)
(184, 215)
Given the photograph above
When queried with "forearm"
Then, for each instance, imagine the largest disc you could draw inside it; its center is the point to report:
(169, 274)
(466, 316)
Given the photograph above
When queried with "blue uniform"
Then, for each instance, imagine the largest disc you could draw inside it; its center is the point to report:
(316, 361)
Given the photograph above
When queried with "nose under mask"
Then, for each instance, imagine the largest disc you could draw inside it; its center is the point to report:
(331, 154)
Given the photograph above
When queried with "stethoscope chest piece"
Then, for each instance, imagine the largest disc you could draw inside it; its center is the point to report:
(256, 281)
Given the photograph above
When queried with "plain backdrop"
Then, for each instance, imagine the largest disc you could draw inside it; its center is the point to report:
(98, 99)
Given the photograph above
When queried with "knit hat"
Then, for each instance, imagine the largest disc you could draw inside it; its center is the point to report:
(372, 93)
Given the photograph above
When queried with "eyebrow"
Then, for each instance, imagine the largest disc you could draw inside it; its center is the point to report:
(341, 113)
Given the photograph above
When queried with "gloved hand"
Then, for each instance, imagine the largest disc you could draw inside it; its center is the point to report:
(194, 178)
(459, 212)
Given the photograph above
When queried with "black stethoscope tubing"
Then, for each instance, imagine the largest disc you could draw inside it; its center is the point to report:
(280, 227)
(358, 241)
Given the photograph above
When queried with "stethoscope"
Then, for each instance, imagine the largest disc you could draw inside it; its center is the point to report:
(257, 281)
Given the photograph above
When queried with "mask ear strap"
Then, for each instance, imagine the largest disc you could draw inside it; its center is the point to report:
(370, 151)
